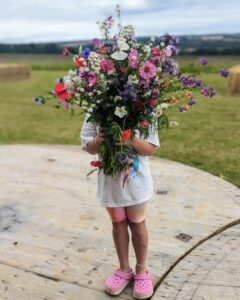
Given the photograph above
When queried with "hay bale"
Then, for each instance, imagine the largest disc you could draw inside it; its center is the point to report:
(234, 80)
(13, 72)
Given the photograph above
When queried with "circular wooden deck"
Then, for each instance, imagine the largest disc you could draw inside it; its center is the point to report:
(56, 240)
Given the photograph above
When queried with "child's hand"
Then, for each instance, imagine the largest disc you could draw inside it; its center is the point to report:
(126, 142)
(99, 138)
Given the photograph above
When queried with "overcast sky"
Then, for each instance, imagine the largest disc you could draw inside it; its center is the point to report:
(63, 20)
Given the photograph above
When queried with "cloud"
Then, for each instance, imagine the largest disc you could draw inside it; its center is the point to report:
(44, 20)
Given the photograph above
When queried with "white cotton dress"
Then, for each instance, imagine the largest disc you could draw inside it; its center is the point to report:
(110, 191)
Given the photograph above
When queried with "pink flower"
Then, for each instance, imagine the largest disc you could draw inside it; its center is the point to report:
(133, 58)
(156, 51)
(147, 70)
(92, 78)
(168, 51)
(107, 65)
(144, 124)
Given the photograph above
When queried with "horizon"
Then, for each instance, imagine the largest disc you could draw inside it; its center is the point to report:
(44, 22)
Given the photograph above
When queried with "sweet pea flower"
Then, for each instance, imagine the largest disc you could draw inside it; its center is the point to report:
(133, 58)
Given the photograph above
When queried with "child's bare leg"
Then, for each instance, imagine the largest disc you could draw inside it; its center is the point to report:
(120, 236)
(137, 223)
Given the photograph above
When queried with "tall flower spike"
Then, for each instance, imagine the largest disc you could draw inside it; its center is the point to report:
(118, 11)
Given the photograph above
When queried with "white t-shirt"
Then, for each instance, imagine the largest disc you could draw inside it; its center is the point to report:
(137, 188)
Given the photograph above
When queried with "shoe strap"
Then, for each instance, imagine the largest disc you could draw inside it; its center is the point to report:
(143, 276)
(123, 274)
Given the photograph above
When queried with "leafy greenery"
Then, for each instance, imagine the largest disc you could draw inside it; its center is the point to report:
(207, 137)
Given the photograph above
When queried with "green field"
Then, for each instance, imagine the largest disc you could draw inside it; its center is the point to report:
(207, 137)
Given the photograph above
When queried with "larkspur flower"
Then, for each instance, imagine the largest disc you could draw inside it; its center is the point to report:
(168, 39)
(190, 82)
(208, 91)
(147, 70)
(86, 52)
(97, 43)
(192, 102)
(204, 61)
(224, 72)
(168, 51)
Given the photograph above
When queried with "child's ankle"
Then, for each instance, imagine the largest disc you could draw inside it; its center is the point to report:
(125, 269)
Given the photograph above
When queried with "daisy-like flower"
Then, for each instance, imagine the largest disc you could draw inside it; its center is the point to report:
(147, 70)
(120, 111)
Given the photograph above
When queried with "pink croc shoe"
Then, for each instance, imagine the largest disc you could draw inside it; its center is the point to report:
(143, 286)
(116, 283)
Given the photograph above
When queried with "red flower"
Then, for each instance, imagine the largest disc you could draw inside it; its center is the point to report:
(144, 124)
(156, 51)
(61, 91)
(153, 102)
(104, 50)
(80, 62)
(126, 134)
(95, 163)
(123, 69)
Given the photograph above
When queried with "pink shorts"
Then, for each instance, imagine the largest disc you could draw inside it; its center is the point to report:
(134, 213)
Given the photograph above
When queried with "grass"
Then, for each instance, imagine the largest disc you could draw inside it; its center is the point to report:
(207, 137)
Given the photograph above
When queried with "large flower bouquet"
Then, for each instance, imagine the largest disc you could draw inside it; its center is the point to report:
(126, 87)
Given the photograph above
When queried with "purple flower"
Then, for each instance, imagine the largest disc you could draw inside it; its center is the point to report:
(192, 102)
(208, 91)
(183, 109)
(204, 61)
(169, 66)
(169, 39)
(86, 52)
(97, 43)
(38, 100)
(189, 82)
(224, 72)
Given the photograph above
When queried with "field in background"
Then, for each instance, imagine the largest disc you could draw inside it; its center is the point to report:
(207, 137)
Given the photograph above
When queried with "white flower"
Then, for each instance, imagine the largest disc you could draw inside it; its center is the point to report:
(153, 38)
(132, 79)
(82, 90)
(158, 111)
(159, 69)
(99, 101)
(76, 80)
(116, 98)
(163, 105)
(122, 46)
(162, 44)
(90, 110)
(120, 111)
(147, 49)
(173, 123)
(93, 105)
(99, 93)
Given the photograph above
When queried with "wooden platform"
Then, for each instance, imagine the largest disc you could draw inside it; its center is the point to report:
(56, 240)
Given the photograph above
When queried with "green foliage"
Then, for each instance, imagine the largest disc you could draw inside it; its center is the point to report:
(207, 137)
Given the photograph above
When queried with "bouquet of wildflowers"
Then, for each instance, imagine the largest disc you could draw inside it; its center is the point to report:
(125, 87)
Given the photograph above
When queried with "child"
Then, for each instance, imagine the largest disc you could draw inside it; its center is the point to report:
(126, 206)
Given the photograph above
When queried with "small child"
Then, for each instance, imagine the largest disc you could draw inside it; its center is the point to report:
(126, 206)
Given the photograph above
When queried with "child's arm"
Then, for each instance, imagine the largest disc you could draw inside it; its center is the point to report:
(145, 147)
(93, 146)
